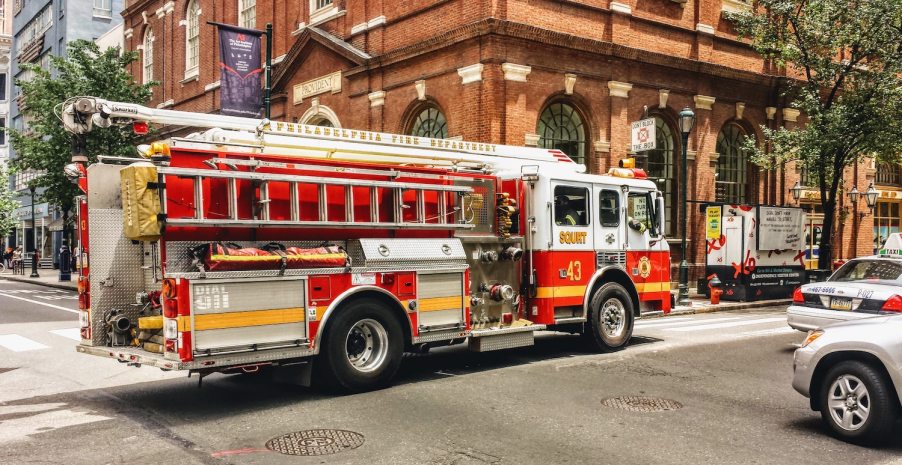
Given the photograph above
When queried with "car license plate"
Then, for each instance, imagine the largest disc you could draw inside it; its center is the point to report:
(840, 304)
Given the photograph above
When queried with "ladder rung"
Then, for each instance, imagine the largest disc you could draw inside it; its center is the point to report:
(198, 197)
(374, 205)
(323, 213)
(349, 203)
(293, 200)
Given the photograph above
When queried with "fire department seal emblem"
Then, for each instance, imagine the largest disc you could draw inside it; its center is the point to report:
(644, 267)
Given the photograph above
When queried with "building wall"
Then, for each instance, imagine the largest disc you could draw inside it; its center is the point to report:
(625, 57)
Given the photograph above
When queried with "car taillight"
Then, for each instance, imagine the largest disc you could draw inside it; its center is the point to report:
(797, 296)
(170, 345)
(893, 304)
(170, 307)
(82, 284)
(84, 293)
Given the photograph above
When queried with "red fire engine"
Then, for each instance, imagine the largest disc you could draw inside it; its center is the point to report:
(329, 252)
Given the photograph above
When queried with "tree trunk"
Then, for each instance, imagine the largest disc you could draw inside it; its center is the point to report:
(825, 252)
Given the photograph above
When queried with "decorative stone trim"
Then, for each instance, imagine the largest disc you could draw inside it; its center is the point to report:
(569, 82)
(690, 155)
(621, 8)
(144, 16)
(183, 22)
(377, 99)
(735, 6)
(166, 104)
(531, 140)
(602, 146)
(770, 112)
(278, 59)
(191, 75)
(619, 89)
(740, 109)
(706, 29)
(325, 14)
(358, 28)
(377, 21)
(420, 86)
(211, 86)
(169, 7)
(300, 29)
(515, 72)
(455, 138)
(791, 114)
(160, 12)
(663, 94)
(128, 33)
(714, 156)
(703, 102)
(472, 73)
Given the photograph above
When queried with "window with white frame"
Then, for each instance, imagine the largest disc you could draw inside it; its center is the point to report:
(192, 38)
(148, 55)
(103, 8)
(322, 10)
(322, 3)
(247, 13)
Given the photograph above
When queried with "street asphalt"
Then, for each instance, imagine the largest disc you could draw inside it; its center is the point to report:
(728, 375)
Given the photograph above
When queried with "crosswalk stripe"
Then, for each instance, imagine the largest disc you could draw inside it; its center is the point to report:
(657, 321)
(69, 333)
(17, 343)
(730, 324)
(39, 303)
(772, 331)
(695, 322)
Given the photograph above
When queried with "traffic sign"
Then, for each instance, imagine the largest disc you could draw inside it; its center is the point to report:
(643, 135)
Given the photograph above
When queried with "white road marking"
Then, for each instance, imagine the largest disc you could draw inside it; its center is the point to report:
(5, 294)
(17, 343)
(666, 319)
(695, 322)
(51, 417)
(731, 324)
(769, 332)
(69, 333)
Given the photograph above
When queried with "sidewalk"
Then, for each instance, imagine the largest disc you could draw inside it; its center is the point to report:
(48, 278)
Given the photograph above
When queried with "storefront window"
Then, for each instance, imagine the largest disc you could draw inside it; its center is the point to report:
(661, 169)
(731, 184)
(886, 222)
(560, 127)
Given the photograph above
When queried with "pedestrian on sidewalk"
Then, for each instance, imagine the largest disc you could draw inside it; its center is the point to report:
(8, 258)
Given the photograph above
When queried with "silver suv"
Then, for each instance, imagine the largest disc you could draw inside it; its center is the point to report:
(852, 374)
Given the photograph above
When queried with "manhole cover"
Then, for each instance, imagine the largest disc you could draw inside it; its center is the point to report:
(641, 404)
(315, 442)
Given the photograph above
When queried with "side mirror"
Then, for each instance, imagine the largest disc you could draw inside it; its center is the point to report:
(660, 214)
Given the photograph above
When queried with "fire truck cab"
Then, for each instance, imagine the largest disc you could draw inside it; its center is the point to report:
(329, 252)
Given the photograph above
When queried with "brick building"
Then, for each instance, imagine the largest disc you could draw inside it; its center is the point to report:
(555, 73)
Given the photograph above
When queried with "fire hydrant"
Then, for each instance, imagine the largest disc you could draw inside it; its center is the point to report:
(714, 285)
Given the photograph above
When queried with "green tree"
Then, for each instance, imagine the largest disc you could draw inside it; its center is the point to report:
(844, 62)
(8, 204)
(46, 147)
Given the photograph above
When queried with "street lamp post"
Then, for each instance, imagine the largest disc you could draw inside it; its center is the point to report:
(687, 122)
(34, 239)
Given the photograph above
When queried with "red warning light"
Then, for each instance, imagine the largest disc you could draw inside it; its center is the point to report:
(140, 127)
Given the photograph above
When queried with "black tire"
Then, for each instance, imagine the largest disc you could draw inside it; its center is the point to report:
(868, 388)
(609, 323)
(353, 335)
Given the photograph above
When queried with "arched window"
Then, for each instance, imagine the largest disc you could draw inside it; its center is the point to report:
(662, 170)
(561, 127)
(247, 13)
(321, 121)
(192, 38)
(148, 55)
(429, 122)
(731, 183)
(320, 115)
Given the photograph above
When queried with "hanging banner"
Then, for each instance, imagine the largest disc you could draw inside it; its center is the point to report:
(240, 71)
(712, 219)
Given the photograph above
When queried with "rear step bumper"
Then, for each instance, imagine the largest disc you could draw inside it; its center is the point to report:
(136, 356)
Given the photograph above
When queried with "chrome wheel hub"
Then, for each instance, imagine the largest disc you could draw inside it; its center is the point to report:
(367, 345)
(613, 318)
(849, 402)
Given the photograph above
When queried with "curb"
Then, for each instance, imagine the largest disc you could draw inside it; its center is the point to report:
(67, 287)
(707, 308)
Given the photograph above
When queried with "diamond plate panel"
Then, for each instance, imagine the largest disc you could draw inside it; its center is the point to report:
(502, 341)
(383, 252)
(116, 270)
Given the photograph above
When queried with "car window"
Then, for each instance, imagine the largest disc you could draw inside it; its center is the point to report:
(869, 269)
(639, 209)
(609, 206)
(571, 206)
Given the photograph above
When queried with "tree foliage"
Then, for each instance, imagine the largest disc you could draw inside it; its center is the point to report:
(8, 204)
(844, 63)
(46, 147)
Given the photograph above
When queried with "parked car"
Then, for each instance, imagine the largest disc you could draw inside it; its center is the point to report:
(862, 288)
(852, 374)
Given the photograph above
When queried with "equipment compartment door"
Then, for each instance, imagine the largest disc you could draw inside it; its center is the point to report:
(441, 301)
(247, 315)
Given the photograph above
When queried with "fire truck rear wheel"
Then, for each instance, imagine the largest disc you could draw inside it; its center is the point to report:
(609, 325)
(362, 349)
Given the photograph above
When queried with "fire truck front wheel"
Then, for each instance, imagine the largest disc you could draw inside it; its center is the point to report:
(609, 325)
(362, 349)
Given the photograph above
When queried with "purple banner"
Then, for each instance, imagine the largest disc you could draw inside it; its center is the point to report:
(240, 72)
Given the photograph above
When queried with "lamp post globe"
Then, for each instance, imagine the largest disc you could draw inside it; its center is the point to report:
(853, 195)
(687, 122)
(796, 191)
(870, 196)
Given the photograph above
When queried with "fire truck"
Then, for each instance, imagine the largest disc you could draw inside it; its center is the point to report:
(329, 252)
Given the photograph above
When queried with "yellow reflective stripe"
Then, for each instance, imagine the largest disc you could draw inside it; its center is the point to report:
(275, 258)
(242, 319)
(454, 302)
(560, 291)
(652, 287)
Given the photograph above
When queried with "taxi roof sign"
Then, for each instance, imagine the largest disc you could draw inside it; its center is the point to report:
(893, 245)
